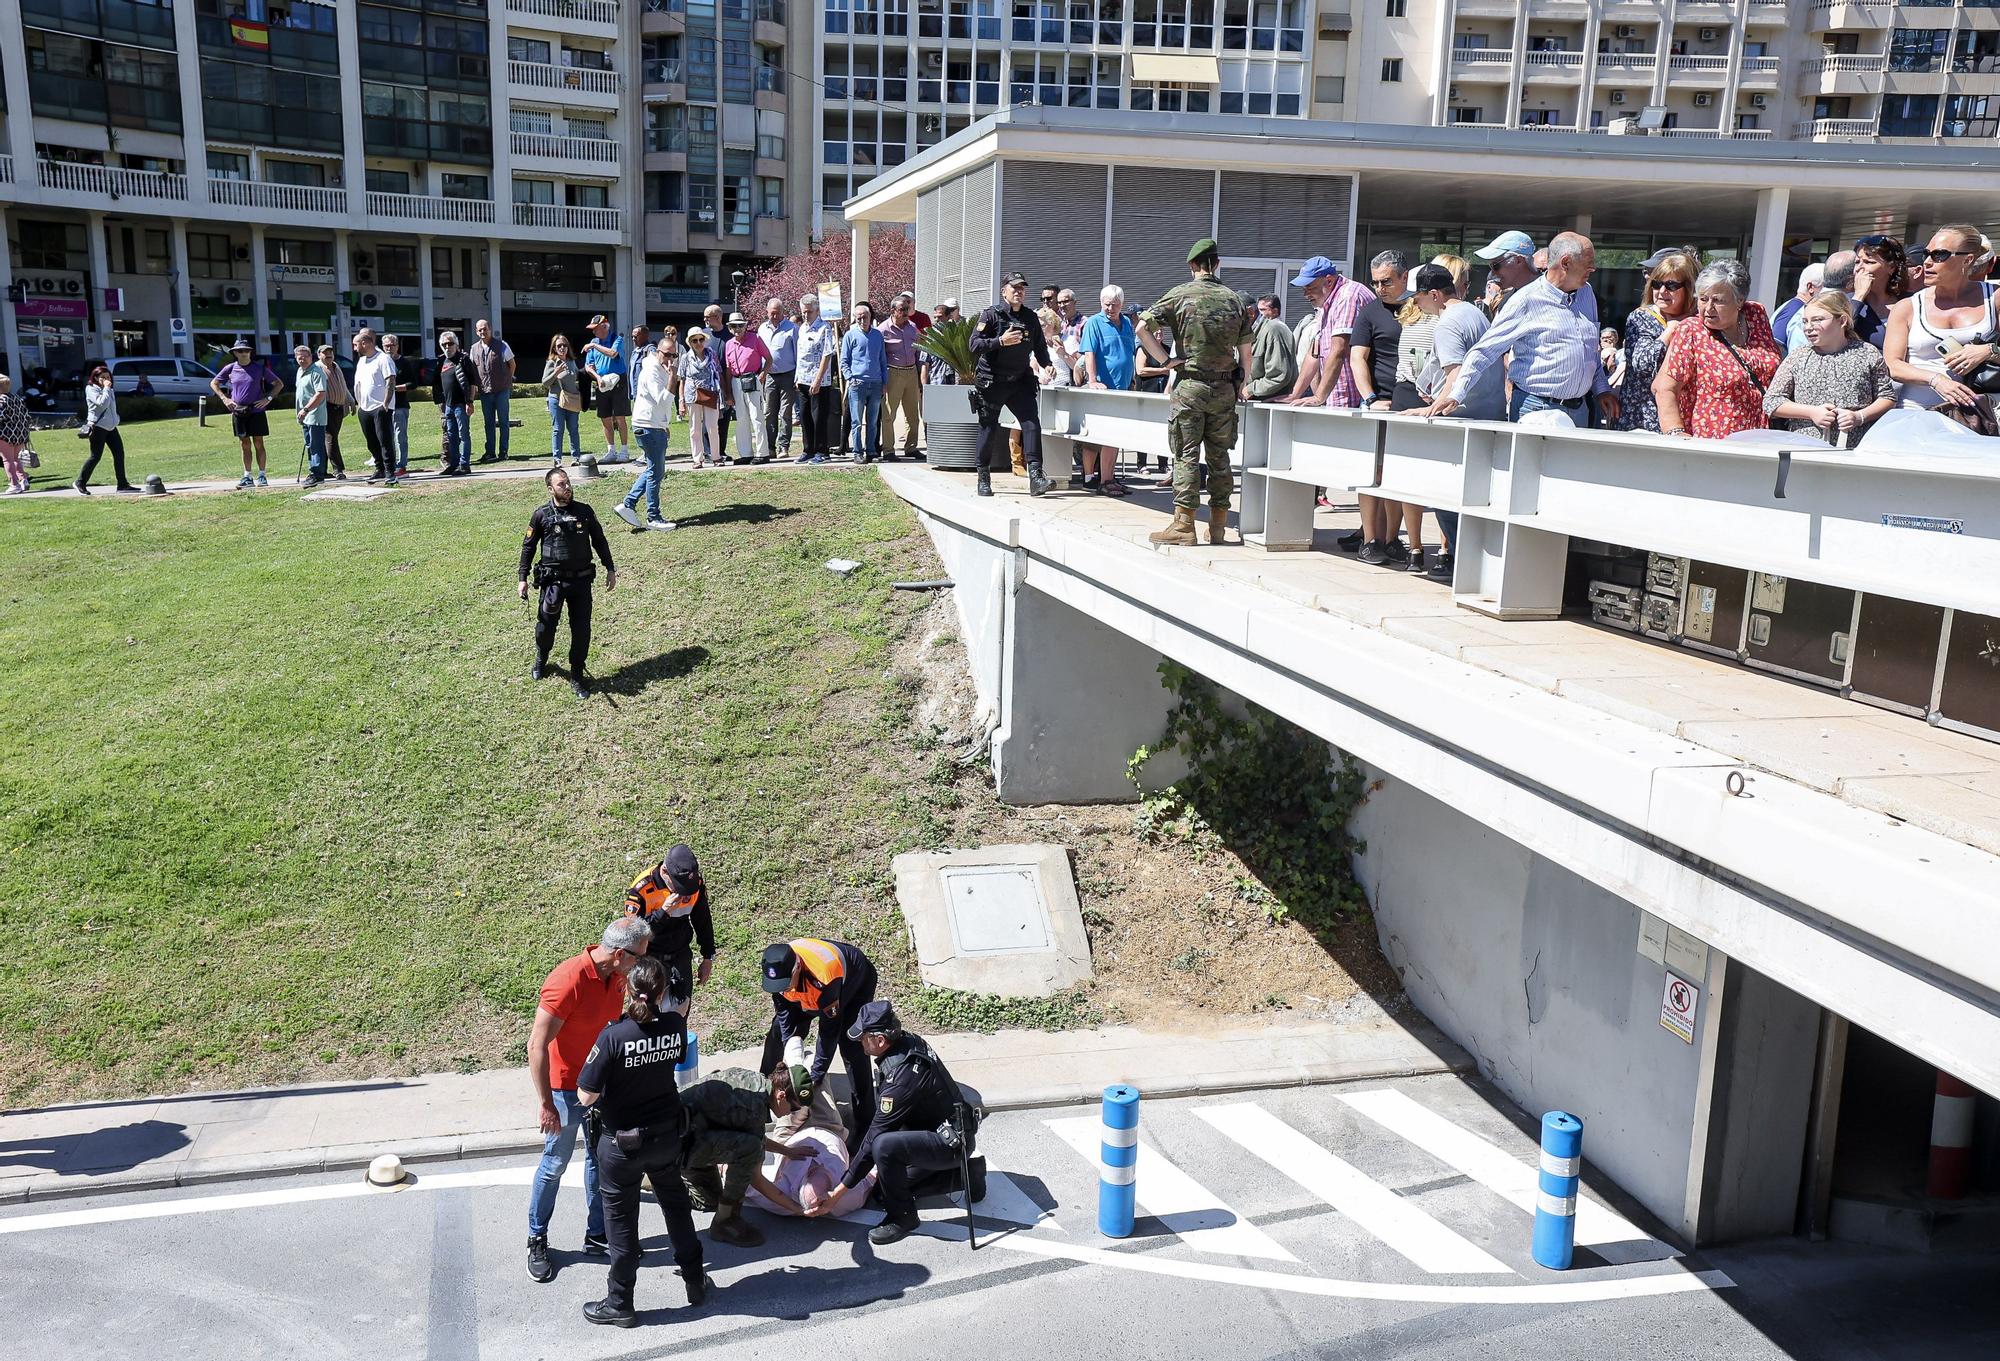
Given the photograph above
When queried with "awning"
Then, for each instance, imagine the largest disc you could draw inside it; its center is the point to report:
(1186, 70)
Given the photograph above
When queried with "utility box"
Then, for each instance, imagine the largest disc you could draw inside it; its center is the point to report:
(1896, 649)
(1800, 629)
(1713, 612)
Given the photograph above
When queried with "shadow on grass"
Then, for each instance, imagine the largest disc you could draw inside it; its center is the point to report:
(753, 513)
(634, 677)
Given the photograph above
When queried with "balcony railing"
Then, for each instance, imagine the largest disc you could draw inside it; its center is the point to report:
(666, 139)
(111, 181)
(1761, 66)
(1865, 63)
(586, 11)
(1563, 61)
(1697, 63)
(6, 169)
(1833, 127)
(541, 75)
(1976, 63)
(601, 150)
(1626, 61)
(285, 198)
(423, 208)
(1482, 56)
(1548, 127)
(663, 71)
(564, 218)
(1753, 134)
(1691, 132)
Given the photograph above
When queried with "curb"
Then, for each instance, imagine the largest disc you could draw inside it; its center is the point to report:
(507, 1143)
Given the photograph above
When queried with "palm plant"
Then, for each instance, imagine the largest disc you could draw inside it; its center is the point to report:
(950, 342)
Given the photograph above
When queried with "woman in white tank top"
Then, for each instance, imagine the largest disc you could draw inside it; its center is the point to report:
(1946, 331)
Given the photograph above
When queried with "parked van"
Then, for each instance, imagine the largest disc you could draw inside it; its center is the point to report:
(176, 379)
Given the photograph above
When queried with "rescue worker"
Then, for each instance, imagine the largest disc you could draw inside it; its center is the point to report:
(727, 1116)
(828, 980)
(1010, 356)
(673, 899)
(916, 1129)
(1212, 332)
(628, 1084)
(566, 531)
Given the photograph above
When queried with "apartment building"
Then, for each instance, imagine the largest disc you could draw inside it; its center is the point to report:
(180, 172)
(894, 82)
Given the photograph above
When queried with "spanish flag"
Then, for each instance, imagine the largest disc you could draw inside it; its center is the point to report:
(245, 33)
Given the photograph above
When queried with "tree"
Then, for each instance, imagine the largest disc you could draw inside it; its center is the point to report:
(892, 267)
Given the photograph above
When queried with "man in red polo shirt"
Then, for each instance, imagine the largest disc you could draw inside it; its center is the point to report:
(579, 998)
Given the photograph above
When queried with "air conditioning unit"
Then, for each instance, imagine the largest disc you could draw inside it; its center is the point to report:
(1702, 101)
(48, 286)
(371, 303)
(1617, 96)
(234, 295)
(364, 276)
(1758, 101)
(933, 62)
(72, 286)
(363, 259)
(243, 252)
(1709, 35)
(597, 286)
(1451, 92)
(1625, 31)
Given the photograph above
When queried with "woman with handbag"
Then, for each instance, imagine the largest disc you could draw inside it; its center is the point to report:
(1938, 342)
(1720, 362)
(100, 427)
(15, 431)
(701, 400)
(1667, 300)
(565, 397)
(628, 1085)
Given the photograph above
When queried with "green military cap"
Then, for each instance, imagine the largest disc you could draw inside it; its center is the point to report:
(1205, 246)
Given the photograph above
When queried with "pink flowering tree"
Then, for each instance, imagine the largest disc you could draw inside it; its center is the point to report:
(892, 267)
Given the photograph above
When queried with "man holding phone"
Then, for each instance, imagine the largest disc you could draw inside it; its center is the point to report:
(1010, 357)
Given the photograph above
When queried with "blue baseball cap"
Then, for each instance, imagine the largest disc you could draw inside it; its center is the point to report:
(1508, 243)
(1319, 267)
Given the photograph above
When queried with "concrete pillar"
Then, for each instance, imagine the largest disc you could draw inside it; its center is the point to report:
(187, 65)
(100, 279)
(260, 289)
(343, 280)
(14, 73)
(493, 303)
(426, 307)
(1767, 243)
(1580, 224)
(716, 283)
(625, 309)
(860, 267)
(183, 286)
(353, 171)
(10, 335)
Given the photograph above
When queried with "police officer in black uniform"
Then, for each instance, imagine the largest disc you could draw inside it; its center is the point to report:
(921, 1124)
(1009, 355)
(638, 1124)
(566, 530)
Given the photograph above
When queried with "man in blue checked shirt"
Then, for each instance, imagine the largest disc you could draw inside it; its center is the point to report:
(1549, 335)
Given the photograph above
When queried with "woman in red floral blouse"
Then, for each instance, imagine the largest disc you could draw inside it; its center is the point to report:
(1719, 361)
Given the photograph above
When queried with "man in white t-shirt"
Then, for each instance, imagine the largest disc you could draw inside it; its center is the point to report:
(375, 404)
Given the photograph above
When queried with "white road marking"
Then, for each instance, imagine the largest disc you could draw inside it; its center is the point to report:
(1008, 1203)
(1401, 1224)
(1178, 1200)
(1497, 1170)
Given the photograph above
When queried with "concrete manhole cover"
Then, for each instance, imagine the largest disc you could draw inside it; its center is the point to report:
(1001, 920)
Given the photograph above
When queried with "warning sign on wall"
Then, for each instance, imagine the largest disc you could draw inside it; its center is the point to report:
(1678, 1006)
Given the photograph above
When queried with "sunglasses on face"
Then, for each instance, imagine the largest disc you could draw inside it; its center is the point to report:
(1669, 286)
(1888, 245)
(1940, 255)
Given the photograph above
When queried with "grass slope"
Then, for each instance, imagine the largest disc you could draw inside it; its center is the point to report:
(278, 801)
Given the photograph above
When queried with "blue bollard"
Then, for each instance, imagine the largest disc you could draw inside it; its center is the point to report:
(1117, 1179)
(688, 1071)
(1555, 1205)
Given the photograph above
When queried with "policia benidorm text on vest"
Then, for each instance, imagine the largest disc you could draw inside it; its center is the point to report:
(566, 531)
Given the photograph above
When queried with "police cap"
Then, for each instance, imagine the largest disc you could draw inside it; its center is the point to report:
(1205, 246)
(778, 963)
(683, 870)
(873, 1016)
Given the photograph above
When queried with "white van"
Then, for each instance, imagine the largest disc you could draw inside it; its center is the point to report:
(176, 379)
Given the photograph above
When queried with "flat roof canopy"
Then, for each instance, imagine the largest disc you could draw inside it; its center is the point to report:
(1471, 174)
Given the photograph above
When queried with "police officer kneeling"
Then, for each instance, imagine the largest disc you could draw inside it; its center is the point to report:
(921, 1124)
(628, 1085)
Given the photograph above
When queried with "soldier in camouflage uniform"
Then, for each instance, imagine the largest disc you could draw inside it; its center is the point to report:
(1207, 320)
(727, 1116)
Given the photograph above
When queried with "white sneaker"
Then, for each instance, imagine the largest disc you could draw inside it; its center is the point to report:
(659, 524)
(629, 516)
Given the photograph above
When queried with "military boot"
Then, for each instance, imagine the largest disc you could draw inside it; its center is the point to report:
(729, 1227)
(1179, 533)
(704, 1188)
(1218, 524)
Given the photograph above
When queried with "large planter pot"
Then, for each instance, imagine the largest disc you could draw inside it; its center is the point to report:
(951, 431)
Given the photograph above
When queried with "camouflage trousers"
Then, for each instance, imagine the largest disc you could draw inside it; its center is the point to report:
(738, 1151)
(1202, 429)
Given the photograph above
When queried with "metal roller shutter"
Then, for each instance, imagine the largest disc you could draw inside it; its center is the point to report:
(1285, 217)
(929, 234)
(1058, 212)
(1155, 216)
(974, 285)
(952, 228)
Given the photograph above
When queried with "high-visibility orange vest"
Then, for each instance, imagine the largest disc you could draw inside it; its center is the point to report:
(651, 893)
(823, 969)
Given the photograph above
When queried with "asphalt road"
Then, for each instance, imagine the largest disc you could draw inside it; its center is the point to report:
(1242, 1254)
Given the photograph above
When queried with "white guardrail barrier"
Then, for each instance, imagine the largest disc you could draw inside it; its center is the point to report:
(1845, 568)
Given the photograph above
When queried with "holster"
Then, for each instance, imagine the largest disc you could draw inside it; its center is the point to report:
(634, 1141)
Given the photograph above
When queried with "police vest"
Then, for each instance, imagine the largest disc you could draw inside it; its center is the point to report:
(824, 968)
(565, 541)
(651, 893)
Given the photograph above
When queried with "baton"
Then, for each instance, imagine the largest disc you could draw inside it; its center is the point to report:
(965, 1176)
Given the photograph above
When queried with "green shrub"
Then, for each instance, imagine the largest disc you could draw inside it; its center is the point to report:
(146, 408)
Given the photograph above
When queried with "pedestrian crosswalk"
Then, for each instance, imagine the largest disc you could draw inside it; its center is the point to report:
(1403, 1185)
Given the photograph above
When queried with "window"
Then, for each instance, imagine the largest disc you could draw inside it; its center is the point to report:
(1918, 49)
(1398, 8)
(209, 254)
(587, 196)
(598, 128)
(1330, 89)
(311, 174)
(283, 252)
(665, 191)
(441, 267)
(1747, 122)
(531, 120)
(1467, 115)
(1908, 115)
(1972, 116)
(770, 196)
(534, 191)
(770, 147)
(454, 185)
(1392, 70)
(702, 197)
(388, 181)
(528, 49)
(396, 266)
(228, 165)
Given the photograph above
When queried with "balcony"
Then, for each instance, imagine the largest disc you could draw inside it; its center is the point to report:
(1548, 127)
(1627, 63)
(283, 198)
(6, 169)
(666, 232)
(69, 177)
(1481, 63)
(1703, 72)
(1753, 135)
(593, 150)
(1704, 133)
(1760, 66)
(1767, 12)
(560, 217)
(663, 16)
(570, 16)
(1835, 130)
(1827, 15)
(1551, 65)
(598, 86)
(768, 236)
(469, 212)
(1850, 74)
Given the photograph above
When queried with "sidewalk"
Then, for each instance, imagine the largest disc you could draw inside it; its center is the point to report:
(151, 1143)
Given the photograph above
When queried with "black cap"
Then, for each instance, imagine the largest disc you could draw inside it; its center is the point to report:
(683, 870)
(874, 1016)
(1434, 276)
(778, 963)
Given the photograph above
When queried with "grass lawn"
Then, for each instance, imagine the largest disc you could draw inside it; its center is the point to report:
(279, 802)
(179, 450)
